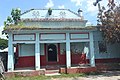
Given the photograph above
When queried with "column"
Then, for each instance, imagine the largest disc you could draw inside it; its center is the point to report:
(10, 63)
(37, 52)
(92, 55)
(68, 56)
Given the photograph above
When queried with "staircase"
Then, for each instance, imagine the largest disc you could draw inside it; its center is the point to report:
(52, 72)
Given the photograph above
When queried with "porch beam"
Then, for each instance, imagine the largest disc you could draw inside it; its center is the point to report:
(10, 63)
(83, 40)
(37, 52)
(23, 42)
(68, 55)
(92, 55)
(50, 41)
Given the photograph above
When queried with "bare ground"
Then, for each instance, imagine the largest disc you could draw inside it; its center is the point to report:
(106, 75)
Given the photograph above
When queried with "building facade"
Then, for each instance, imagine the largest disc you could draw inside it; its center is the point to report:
(60, 38)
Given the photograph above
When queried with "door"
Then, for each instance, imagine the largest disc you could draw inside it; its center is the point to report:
(52, 53)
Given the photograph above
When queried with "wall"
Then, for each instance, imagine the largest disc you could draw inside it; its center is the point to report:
(113, 50)
(60, 24)
(77, 53)
(26, 56)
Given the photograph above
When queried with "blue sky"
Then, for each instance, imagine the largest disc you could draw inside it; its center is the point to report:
(89, 11)
(7, 5)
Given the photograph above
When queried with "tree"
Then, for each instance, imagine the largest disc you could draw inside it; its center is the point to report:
(15, 17)
(109, 22)
(3, 43)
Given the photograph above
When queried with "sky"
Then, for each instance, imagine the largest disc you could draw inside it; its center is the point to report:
(89, 11)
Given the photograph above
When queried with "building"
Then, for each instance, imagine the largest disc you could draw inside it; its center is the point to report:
(56, 37)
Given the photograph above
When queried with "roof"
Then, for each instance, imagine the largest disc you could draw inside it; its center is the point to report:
(60, 19)
(57, 15)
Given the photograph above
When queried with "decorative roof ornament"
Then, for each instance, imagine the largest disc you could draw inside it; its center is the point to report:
(80, 12)
(50, 11)
(36, 14)
(62, 14)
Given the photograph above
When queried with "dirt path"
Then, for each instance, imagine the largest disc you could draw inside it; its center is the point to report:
(109, 75)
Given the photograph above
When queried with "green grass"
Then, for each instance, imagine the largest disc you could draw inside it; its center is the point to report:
(29, 78)
(46, 77)
(42, 77)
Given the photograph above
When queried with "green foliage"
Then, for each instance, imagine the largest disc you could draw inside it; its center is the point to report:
(14, 19)
(109, 22)
(3, 43)
(16, 15)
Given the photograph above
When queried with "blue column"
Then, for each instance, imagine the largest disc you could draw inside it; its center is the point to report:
(10, 63)
(92, 55)
(68, 55)
(37, 52)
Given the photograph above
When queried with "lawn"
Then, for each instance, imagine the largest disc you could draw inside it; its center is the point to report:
(42, 77)
(46, 77)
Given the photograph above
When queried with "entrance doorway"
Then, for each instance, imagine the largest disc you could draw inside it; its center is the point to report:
(52, 53)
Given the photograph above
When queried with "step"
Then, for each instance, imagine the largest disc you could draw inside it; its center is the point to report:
(52, 72)
(52, 67)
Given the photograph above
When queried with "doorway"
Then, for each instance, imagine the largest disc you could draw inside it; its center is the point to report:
(52, 53)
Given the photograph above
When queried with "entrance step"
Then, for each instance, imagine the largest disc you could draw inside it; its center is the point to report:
(52, 67)
(52, 72)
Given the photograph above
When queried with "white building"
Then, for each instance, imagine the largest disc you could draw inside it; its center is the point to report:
(57, 39)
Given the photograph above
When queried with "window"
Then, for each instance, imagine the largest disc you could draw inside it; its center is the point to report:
(62, 48)
(79, 47)
(42, 49)
(102, 47)
(75, 48)
(27, 50)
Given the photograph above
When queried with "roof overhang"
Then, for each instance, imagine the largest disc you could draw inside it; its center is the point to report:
(52, 20)
(17, 28)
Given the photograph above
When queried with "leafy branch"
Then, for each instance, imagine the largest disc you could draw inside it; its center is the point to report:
(14, 18)
(109, 21)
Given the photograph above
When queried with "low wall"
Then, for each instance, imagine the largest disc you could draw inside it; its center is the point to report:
(73, 70)
(25, 73)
